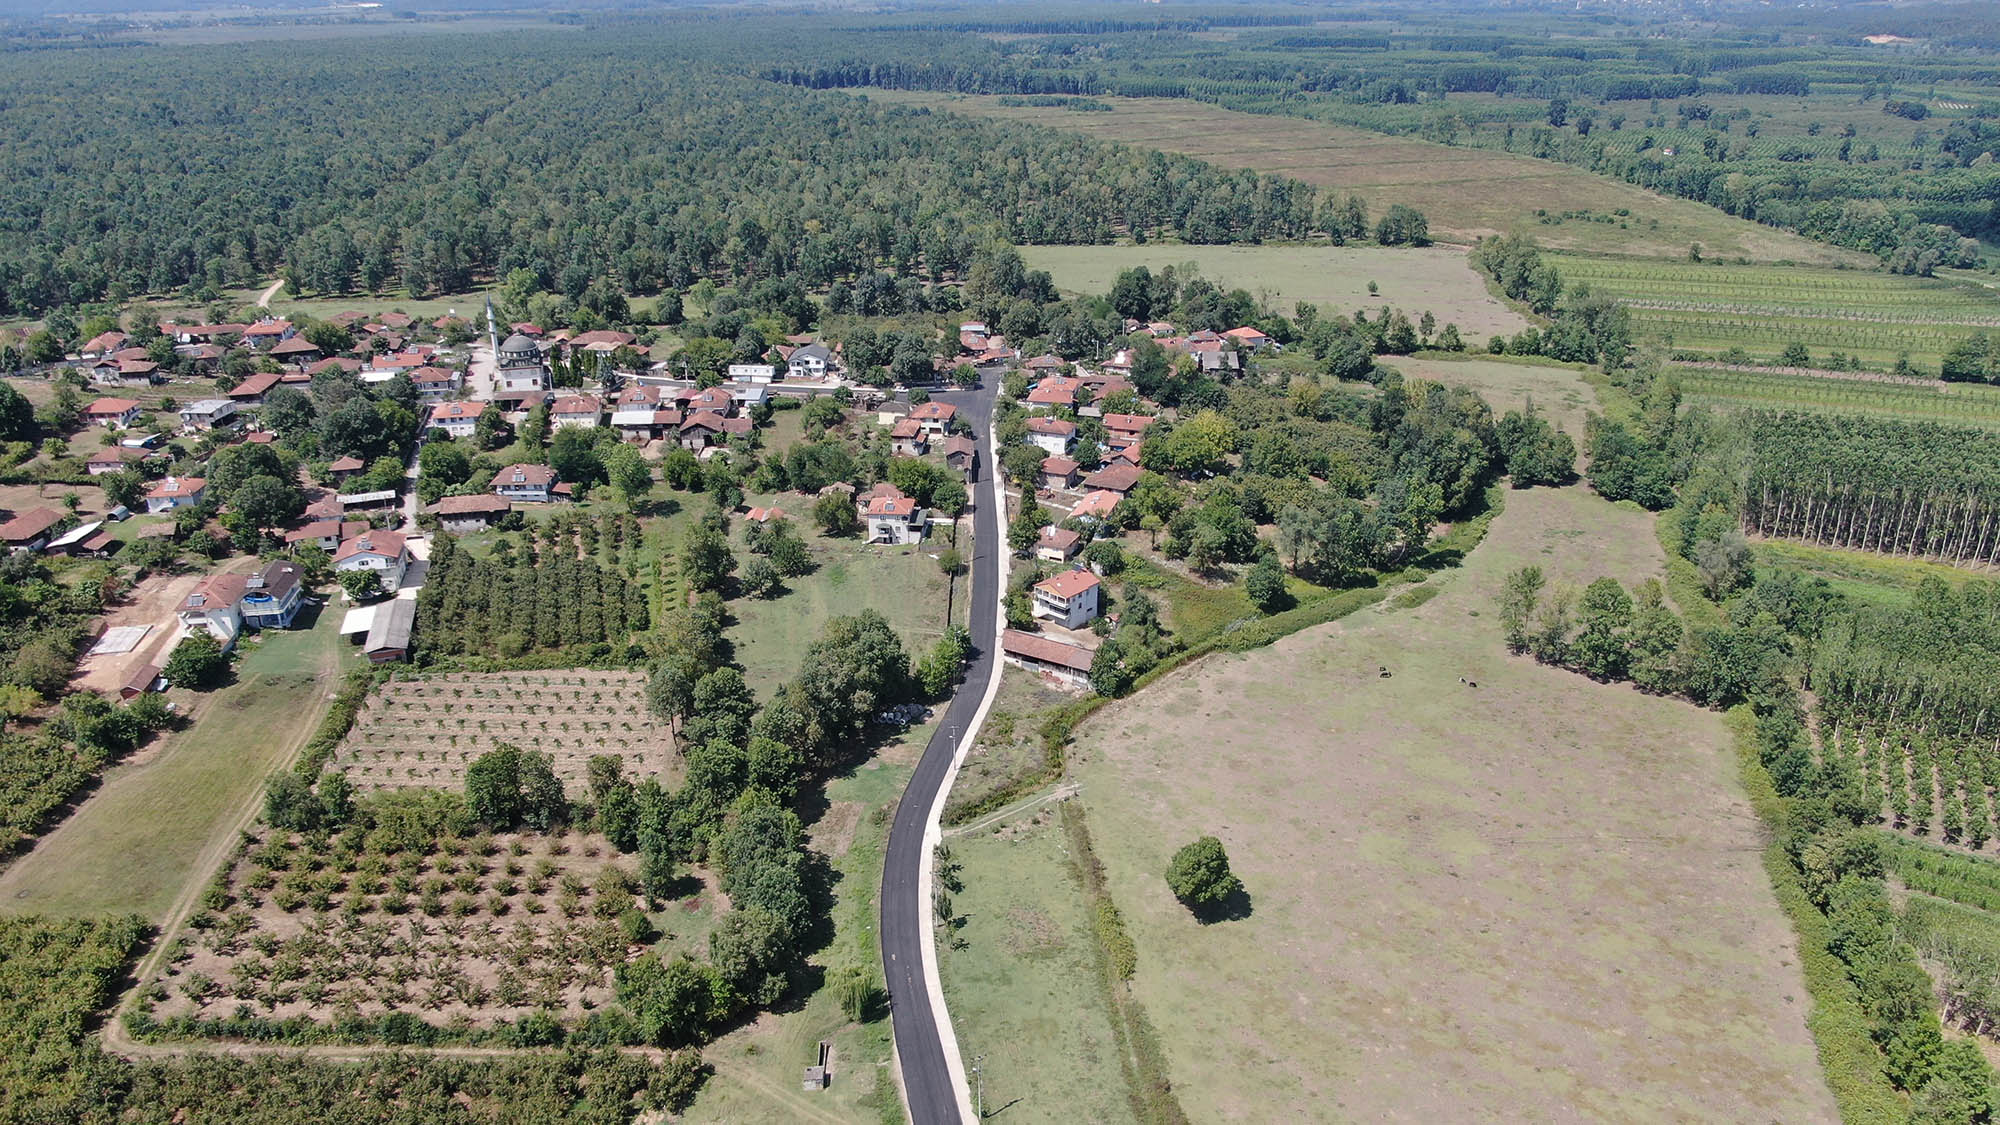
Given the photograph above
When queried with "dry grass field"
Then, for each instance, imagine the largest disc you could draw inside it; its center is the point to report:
(425, 730)
(1534, 899)
(1465, 192)
(1559, 393)
(1336, 278)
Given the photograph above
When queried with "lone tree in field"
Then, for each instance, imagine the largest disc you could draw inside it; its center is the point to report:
(1200, 877)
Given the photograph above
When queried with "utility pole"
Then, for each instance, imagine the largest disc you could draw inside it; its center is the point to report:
(978, 1089)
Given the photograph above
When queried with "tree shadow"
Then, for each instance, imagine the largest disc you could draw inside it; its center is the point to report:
(1234, 908)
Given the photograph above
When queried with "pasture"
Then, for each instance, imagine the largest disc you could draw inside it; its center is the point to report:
(1541, 893)
(472, 932)
(1336, 278)
(1465, 192)
(1712, 307)
(425, 730)
(1558, 392)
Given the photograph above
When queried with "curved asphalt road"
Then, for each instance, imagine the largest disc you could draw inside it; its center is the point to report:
(927, 1082)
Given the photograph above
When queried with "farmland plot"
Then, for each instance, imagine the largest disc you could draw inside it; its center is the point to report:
(466, 933)
(425, 730)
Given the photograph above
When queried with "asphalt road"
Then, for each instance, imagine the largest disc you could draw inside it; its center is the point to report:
(926, 1080)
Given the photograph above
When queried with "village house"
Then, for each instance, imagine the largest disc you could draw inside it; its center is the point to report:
(1059, 660)
(112, 413)
(459, 419)
(1058, 472)
(435, 384)
(603, 340)
(1095, 506)
(894, 520)
(470, 513)
(1127, 455)
(704, 428)
(642, 396)
(809, 362)
(31, 530)
(754, 373)
(1069, 599)
(935, 417)
(215, 607)
(580, 411)
(267, 333)
(208, 414)
(906, 438)
(328, 533)
(273, 595)
(175, 492)
(341, 468)
(1054, 436)
(712, 399)
(103, 344)
(383, 552)
(111, 459)
(962, 453)
(133, 373)
(534, 484)
(202, 333)
(1250, 339)
(1116, 478)
(296, 350)
(1124, 429)
(1054, 391)
(253, 388)
(1058, 545)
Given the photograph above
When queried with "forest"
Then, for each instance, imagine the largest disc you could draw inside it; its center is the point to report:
(387, 163)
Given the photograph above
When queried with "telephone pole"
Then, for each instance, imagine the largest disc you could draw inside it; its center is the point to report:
(978, 1089)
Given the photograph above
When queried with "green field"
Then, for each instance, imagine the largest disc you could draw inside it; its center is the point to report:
(147, 832)
(1711, 308)
(1334, 277)
(1963, 404)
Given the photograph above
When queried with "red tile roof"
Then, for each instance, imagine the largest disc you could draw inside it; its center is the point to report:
(469, 505)
(935, 412)
(174, 488)
(1057, 426)
(386, 543)
(110, 407)
(1114, 478)
(1048, 650)
(1068, 584)
(29, 525)
(525, 474)
(1058, 466)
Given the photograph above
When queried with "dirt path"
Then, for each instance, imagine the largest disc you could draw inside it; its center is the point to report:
(217, 850)
(264, 298)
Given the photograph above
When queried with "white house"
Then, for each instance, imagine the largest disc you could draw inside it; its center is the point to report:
(215, 607)
(575, 410)
(1069, 599)
(175, 492)
(895, 520)
(532, 483)
(112, 413)
(272, 596)
(435, 384)
(383, 552)
(935, 417)
(458, 419)
(809, 362)
(752, 372)
(1053, 436)
(208, 414)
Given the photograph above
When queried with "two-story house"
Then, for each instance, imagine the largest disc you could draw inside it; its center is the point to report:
(273, 595)
(383, 552)
(175, 492)
(112, 413)
(215, 606)
(458, 419)
(534, 484)
(1069, 599)
(1053, 436)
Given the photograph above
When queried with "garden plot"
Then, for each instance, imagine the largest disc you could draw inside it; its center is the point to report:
(425, 730)
(464, 934)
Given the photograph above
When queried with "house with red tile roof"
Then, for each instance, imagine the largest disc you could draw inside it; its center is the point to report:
(30, 530)
(470, 513)
(253, 388)
(1053, 436)
(175, 492)
(384, 552)
(1057, 659)
(581, 411)
(1116, 478)
(1057, 544)
(1058, 472)
(458, 419)
(103, 344)
(934, 417)
(894, 520)
(112, 413)
(1069, 599)
(1095, 506)
(534, 484)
